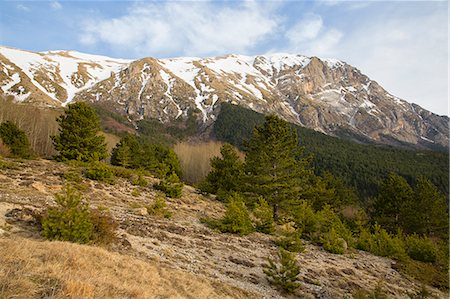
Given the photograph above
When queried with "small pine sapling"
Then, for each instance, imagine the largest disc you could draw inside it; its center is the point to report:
(263, 217)
(283, 272)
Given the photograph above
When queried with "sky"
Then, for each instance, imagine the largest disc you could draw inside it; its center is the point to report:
(403, 45)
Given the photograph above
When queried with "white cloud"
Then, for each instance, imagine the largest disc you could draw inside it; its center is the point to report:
(22, 7)
(55, 5)
(407, 55)
(310, 36)
(190, 28)
(305, 30)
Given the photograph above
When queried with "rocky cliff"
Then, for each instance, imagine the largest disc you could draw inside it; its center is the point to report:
(327, 95)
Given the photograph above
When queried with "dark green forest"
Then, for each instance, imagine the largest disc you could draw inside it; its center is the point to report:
(359, 165)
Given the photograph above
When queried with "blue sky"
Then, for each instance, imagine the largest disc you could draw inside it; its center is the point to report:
(401, 44)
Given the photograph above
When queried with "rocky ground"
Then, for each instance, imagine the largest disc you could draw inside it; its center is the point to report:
(182, 242)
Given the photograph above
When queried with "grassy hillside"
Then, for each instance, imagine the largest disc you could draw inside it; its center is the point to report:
(361, 166)
(155, 256)
(34, 269)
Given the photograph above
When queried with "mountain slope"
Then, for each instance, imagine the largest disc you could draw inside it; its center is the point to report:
(157, 257)
(52, 78)
(327, 95)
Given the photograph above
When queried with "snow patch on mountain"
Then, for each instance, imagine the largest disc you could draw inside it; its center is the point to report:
(63, 65)
(183, 68)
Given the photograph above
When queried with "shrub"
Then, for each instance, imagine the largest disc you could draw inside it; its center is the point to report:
(333, 243)
(327, 219)
(70, 221)
(421, 248)
(73, 175)
(15, 139)
(158, 208)
(122, 172)
(381, 243)
(104, 227)
(236, 219)
(364, 241)
(171, 186)
(426, 273)
(263, 217)
(140, 181)
(283, 272)
(100, 172)
(291, 241)
(7, 164)
(305, 218)
(377, 293)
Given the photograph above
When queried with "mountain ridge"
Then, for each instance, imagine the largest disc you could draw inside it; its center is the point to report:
(327, 95)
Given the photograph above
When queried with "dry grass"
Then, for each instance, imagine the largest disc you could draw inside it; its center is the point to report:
(194, 159)
(111, 140)
(33, 269)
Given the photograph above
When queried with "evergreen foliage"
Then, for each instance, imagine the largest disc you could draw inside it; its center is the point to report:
(135, 152)
(15, 139)
(421, 248)
(78, 137)
(388, 209)
(236, 219)
(358, 165)
(291, 241)
(382, 243)
(140, 181)
(226, 172)
(99, 171)
(273, 169)
(342, 195)
(305, 218)
(427, 213)
(333, 243)
(159, 208)
(171, 186)
(70, 221)
(422, 210)
(263, 217)
(283, 272)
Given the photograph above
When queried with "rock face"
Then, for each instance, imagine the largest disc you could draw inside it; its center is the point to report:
(323, 94)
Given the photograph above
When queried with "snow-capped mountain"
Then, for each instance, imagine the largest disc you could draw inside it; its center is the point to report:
(52, 78)
(324, 94)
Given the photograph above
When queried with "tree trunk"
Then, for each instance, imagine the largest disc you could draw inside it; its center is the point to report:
(275, 212)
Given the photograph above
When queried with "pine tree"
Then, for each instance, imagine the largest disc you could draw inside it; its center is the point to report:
(283, 273)
(136, 152)
(273, 168)
(121, 154)
(15, 139)
(70, 221)
(389, 206)
(427, 213)
(264, 217)
(78, 137)
(236, 219)
(225, 173)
